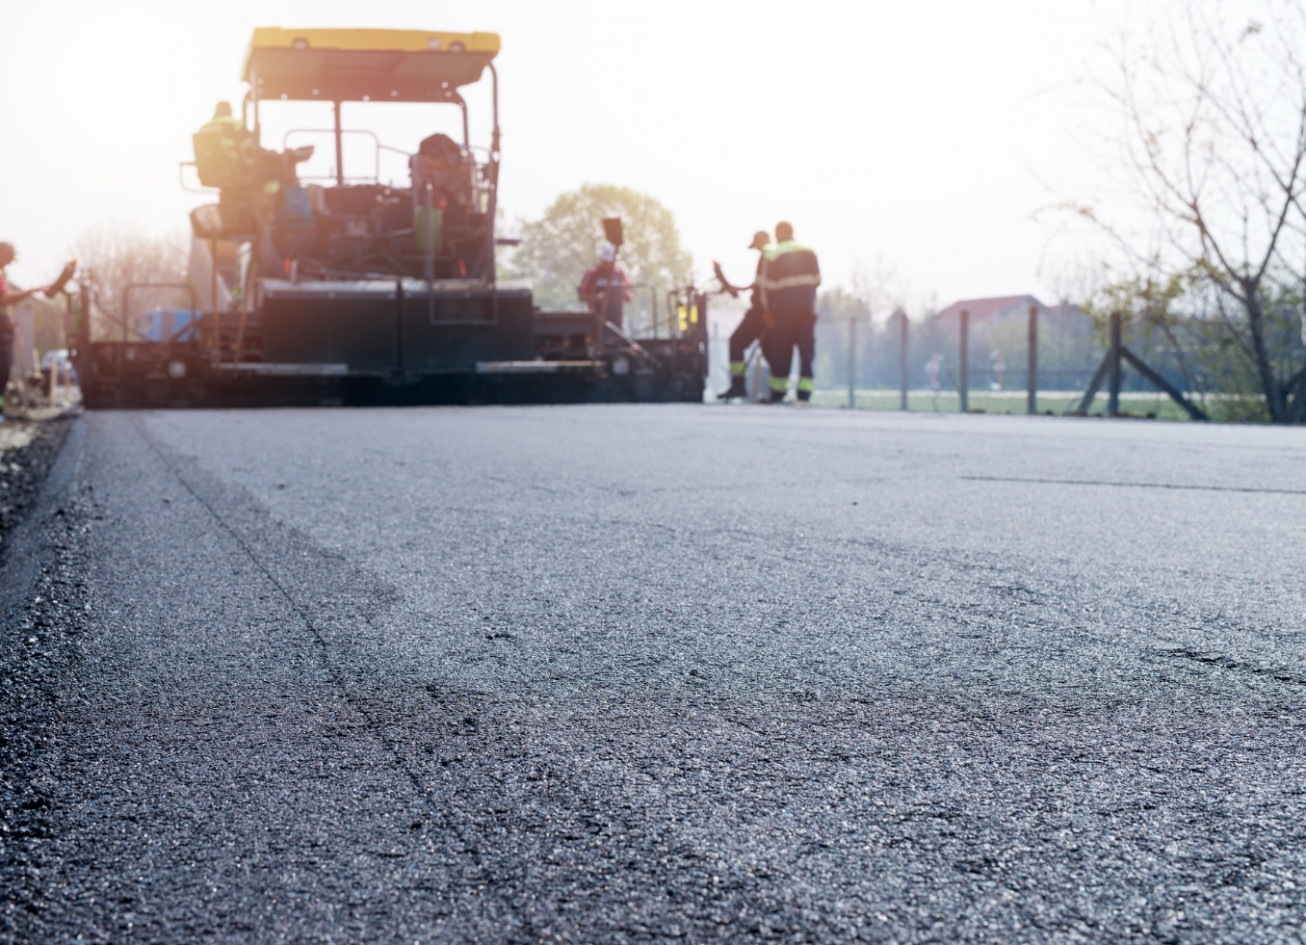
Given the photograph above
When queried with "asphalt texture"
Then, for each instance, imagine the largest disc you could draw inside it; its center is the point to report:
(656, 673)
(27, 451)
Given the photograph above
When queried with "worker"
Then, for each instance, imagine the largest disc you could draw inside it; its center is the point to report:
(606, 284)
(242, 160)
(790, 276)
(224, 122)
(446, 166)
(230, 131)
(9, 298)
(225, 152)
(755, 325)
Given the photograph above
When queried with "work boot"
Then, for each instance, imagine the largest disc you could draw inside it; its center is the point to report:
(776, 396)
(736, 389)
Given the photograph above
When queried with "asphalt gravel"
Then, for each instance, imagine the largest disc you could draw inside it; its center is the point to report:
(655, 673)
(27, 451)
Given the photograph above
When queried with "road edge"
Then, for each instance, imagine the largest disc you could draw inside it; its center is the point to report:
(43, 614)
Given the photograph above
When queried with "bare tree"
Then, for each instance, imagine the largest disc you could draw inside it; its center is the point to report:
(1213, 145)
(880, 287)
(114, 257)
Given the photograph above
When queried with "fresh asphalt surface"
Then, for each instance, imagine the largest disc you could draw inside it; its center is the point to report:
(653, 673)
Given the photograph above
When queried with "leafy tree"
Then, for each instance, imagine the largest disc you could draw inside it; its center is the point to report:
(557, 248)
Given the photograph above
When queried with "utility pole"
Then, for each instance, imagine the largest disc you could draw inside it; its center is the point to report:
(963, 364)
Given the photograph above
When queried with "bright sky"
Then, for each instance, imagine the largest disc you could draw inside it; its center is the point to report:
(927, 133)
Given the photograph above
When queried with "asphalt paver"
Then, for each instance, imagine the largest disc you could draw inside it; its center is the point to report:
(656, 673)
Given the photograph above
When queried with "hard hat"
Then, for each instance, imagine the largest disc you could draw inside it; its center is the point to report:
(760, 239)
(607, 252)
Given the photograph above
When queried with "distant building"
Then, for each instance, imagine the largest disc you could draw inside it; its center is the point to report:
(989, 310)
(1068, 347)
(1009, 307)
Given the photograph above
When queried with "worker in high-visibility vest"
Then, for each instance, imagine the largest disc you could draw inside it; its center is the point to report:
(753, 327)
(230, 132)
(224, 121)
(790, 277)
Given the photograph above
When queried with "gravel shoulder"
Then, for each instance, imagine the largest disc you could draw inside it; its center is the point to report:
(27, 451)
(42, 593)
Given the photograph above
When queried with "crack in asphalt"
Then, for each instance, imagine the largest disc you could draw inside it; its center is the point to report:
(422, 791)
(1277, 673)
(1255, 490)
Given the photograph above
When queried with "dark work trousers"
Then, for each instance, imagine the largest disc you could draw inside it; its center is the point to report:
(752, 328)
(793, 328)
(6, 353)
(616, 313)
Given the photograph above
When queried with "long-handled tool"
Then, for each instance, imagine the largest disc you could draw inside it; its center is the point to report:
(726, 288)
(58, 285)
(612, 232)
(757, 348)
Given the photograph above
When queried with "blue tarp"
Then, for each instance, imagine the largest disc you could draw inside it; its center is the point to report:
(161, 324)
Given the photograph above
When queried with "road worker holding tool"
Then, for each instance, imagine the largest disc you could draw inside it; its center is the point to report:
(10, 297)
(606, 287)
(756, 324)
(790, 276)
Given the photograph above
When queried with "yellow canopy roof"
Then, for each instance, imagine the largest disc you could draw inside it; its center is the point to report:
(365, 64)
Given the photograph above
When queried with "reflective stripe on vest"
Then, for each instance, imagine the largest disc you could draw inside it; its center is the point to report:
(789, 282)
(789, 265)
(225, 123)
(773, 251)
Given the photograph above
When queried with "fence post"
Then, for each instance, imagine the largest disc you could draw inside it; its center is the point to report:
(963, 363)
(1113, 377)
(852, 363)
(1031, 400)
(902, 358)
